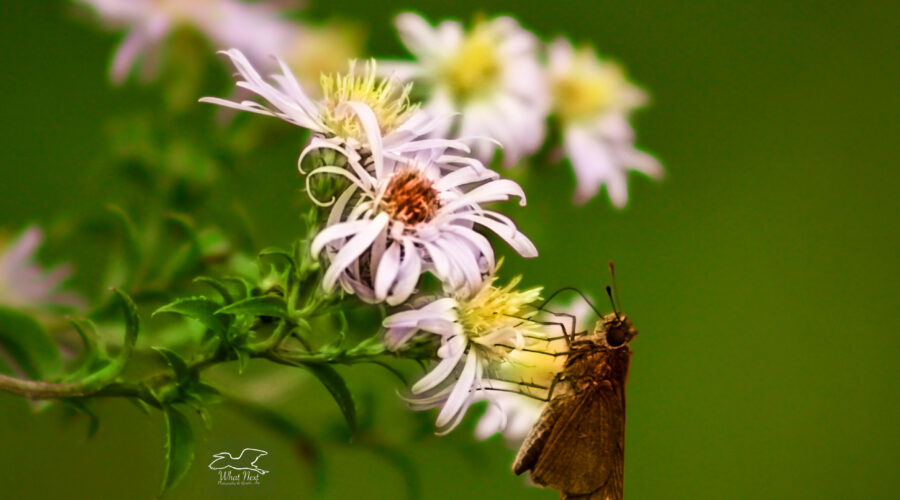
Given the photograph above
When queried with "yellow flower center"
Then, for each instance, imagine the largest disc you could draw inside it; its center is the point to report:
(475, 67)
(493, 309)
(589, 88)
(388, 101)
(410, 198)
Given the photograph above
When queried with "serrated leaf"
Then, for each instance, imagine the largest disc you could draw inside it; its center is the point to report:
(219, 287)
(28, 345)
(257, 306)
(334, 382)
(199, 308)
(179, 448)
(176, 363)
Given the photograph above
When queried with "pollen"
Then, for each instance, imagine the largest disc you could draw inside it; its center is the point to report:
(590, 88)
(388, 100)
(496, 309)
(475, 67)
(410, 198)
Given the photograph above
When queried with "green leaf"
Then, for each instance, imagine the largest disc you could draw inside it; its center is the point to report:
(243, 358)
(176, 363)
(94, 357)
(219, 286)
(84, 406)
(277, 252)
(245, 286)
(199, 308)
(132, 327)
(335, 384)
(26, 342)
(179, 448)
(132, 323)
(131, 246)
(258, 306)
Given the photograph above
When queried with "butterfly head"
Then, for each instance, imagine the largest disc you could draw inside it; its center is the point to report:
(615, 330)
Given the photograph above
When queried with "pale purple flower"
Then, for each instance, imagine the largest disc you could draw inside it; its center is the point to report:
(402, 217)
(24, 283)
(357, 113)
(593, 100)
(490, 76)
(478, 332)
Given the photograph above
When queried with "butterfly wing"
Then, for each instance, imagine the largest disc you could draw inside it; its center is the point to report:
(585, 450)
(534, 443)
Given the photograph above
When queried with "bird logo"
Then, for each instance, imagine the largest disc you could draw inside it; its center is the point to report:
(245, 461)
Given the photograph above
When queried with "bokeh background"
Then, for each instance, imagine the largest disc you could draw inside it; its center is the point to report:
(762, 272)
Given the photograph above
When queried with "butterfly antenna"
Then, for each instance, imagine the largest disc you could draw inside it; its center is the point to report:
(609, 293)
(615, 284)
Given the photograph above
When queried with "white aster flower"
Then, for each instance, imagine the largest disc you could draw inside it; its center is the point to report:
(478, 332)
(400, 218)
(358, 113)
(490, 75)
(593, 99)
(24, 284)
(256, 28)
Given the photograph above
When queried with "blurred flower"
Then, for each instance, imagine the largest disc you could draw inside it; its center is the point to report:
(408, 217)
(23, 283)
(320, 50)
(490, 75)
(593, 99)
(478, 332)
(256, 28)
(358, 114)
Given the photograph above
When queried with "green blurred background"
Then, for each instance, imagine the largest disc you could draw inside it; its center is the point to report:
(762, 272)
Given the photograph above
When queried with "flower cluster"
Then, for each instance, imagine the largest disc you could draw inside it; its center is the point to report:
(493, 76)
(410, 189)
(493, 84)
(411, 203)
(398, 158)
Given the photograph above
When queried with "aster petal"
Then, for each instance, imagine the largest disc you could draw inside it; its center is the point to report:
(352, 249)
(388, 267)
(408, 275)
(456, 401)
(444, 368)
(335, 232)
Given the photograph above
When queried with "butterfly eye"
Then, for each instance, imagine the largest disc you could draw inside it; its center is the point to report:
(615, 336)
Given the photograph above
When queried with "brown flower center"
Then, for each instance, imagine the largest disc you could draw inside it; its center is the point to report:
(410, 198)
